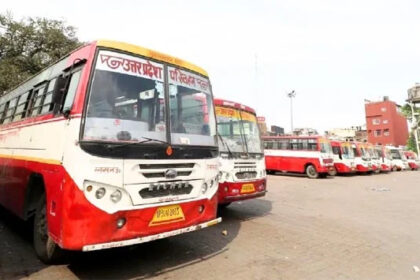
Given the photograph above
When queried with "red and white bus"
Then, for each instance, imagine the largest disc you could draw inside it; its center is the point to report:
(112, 145)
(361, 157)
(242, 166)
(385, 158)
(412, 159)
(343, 157)
(374, 158)
(311, 155)
(399, 160)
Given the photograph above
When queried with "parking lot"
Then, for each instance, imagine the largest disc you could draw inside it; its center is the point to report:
(353, 227)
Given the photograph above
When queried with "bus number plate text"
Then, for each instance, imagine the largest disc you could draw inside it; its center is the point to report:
(167, 214)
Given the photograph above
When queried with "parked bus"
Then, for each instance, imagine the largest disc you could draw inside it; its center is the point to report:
(374, 158)
(242, 166)
(343, 157)
(112, 145)
(361, 157)
(412, 159)
(399, 161)
(310, 155)
(385, 158)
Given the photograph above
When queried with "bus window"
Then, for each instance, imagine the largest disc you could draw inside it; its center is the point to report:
(71, 92)
(22, 105)
(37, 99)
(10, 110)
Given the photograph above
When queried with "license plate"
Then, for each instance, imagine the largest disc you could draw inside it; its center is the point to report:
(167, 214)
(247, 188)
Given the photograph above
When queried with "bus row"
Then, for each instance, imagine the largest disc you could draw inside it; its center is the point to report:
(115, 145)
(317, 156)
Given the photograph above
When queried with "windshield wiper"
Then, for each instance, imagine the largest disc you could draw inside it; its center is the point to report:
(146, 140)
(225, 144)
(243, 136)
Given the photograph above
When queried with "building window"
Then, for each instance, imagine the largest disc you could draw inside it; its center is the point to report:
(377, 133)
(383, 109)
(385, 121)
(386, 132)
(376, 121)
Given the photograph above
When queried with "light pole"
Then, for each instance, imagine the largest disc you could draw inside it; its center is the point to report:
(291, 95)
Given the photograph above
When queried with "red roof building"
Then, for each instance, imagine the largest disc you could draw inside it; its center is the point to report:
(385, 124)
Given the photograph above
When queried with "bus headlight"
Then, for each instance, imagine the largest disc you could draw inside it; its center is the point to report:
(116, 196)
(204, 188)
(100, 193)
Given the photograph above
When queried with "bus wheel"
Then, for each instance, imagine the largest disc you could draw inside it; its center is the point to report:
(45, 248)
(224, 205)
(332, 172)
(394, 168)
(311, 172)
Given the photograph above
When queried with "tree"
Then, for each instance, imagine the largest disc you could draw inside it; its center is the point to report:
(406, 111)
(29, 45)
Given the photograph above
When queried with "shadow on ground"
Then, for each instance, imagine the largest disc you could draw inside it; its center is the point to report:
(140, 262)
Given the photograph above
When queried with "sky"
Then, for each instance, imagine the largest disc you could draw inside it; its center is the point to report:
(333, 54)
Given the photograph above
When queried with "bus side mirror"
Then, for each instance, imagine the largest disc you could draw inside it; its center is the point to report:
(340, 155)
(59, 92)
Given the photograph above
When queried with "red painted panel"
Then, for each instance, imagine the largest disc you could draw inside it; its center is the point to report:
(75, 222)
(232, 195)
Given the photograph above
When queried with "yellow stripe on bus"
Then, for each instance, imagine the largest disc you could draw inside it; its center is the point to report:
(40, 160)
(150, 53)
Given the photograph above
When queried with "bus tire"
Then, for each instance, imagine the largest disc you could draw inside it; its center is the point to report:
(46, 249)
(224, 205)
(311, 172)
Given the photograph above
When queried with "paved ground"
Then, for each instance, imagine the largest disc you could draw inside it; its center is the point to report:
(360, 227)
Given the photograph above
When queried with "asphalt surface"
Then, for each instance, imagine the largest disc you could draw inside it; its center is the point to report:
(353, 227)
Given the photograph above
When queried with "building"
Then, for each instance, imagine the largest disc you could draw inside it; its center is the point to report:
(385, 124)
(305, 131)
(354, 133)
(262, 125)
(342, 133)
(276, 130)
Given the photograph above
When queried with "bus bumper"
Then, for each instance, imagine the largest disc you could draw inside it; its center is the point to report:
(413, 165)
(361, 168)
(149, 238)
(385, 168)
(342, 168)
(86, 227)
(230, 192)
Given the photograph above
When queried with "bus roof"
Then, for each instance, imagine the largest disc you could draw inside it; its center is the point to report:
(236, 105)
(60, 64)
(150, 53)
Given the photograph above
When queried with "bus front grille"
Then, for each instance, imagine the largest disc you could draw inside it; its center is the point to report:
(166, 166)
(246, 175)
(242, 165)
(162, 174)
(166, 189)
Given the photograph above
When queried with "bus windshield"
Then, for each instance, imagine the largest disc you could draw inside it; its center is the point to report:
(127, 102)
(365, 153)
(325, 147)
(395, 154)
(239, 131)
(373, 154)
(347, 152)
